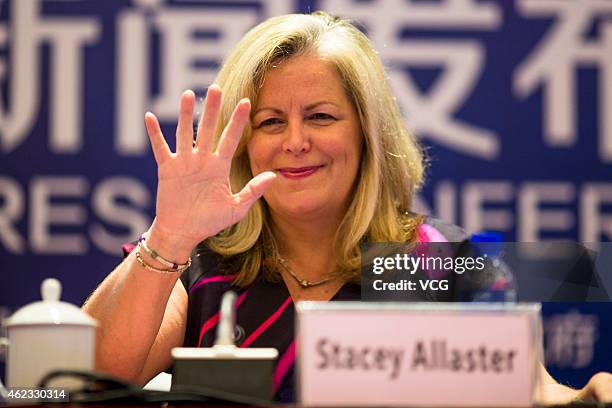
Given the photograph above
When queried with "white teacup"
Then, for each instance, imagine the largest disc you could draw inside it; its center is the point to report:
(46, 336)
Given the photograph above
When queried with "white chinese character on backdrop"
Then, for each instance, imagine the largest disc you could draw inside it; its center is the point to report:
(431, 114)
(553, 64)
(570, 339)
(23, 37)
(187, 60)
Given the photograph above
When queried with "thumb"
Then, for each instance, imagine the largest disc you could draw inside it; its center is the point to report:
(255, 188)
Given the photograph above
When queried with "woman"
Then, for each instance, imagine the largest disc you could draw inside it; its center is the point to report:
(308, 121)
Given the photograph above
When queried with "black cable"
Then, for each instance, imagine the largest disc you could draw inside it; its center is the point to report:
(100, 387)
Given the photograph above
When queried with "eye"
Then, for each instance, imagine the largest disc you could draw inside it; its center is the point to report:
(270, 122)
(321, 117)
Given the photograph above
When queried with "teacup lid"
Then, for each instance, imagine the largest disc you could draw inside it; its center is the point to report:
(51, 310)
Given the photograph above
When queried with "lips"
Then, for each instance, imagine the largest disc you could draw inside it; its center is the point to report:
(298, 172)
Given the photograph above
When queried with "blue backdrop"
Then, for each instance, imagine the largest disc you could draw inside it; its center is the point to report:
(512, 98)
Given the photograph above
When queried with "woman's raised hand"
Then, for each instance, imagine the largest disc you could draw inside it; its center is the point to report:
(194, 198)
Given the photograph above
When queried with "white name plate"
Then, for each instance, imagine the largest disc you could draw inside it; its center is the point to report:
(417, 354)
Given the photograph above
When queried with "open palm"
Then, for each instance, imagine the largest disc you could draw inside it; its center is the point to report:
(194, 198)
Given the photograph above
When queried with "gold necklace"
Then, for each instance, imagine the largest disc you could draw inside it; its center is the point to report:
(304, 283)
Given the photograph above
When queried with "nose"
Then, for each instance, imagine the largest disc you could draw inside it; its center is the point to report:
(297, 140)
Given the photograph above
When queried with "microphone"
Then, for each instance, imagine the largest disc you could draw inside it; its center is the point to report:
(243, 372)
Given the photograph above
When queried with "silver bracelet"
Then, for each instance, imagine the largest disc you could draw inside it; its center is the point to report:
(145, 265)
(153, 254)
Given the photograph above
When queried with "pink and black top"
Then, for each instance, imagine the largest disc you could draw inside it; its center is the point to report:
(265, 310)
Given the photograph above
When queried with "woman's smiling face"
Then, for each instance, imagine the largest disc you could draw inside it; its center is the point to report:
(306, 129)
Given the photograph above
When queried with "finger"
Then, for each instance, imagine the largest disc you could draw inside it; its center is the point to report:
(233, 131)
(184, 128)
(601, 387)
(255, 189)
(209, 119)
(161, 151)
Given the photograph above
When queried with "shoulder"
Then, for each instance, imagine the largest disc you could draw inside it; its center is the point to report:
(435, 230)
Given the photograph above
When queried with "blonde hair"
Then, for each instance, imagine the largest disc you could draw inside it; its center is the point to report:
(391, 167)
